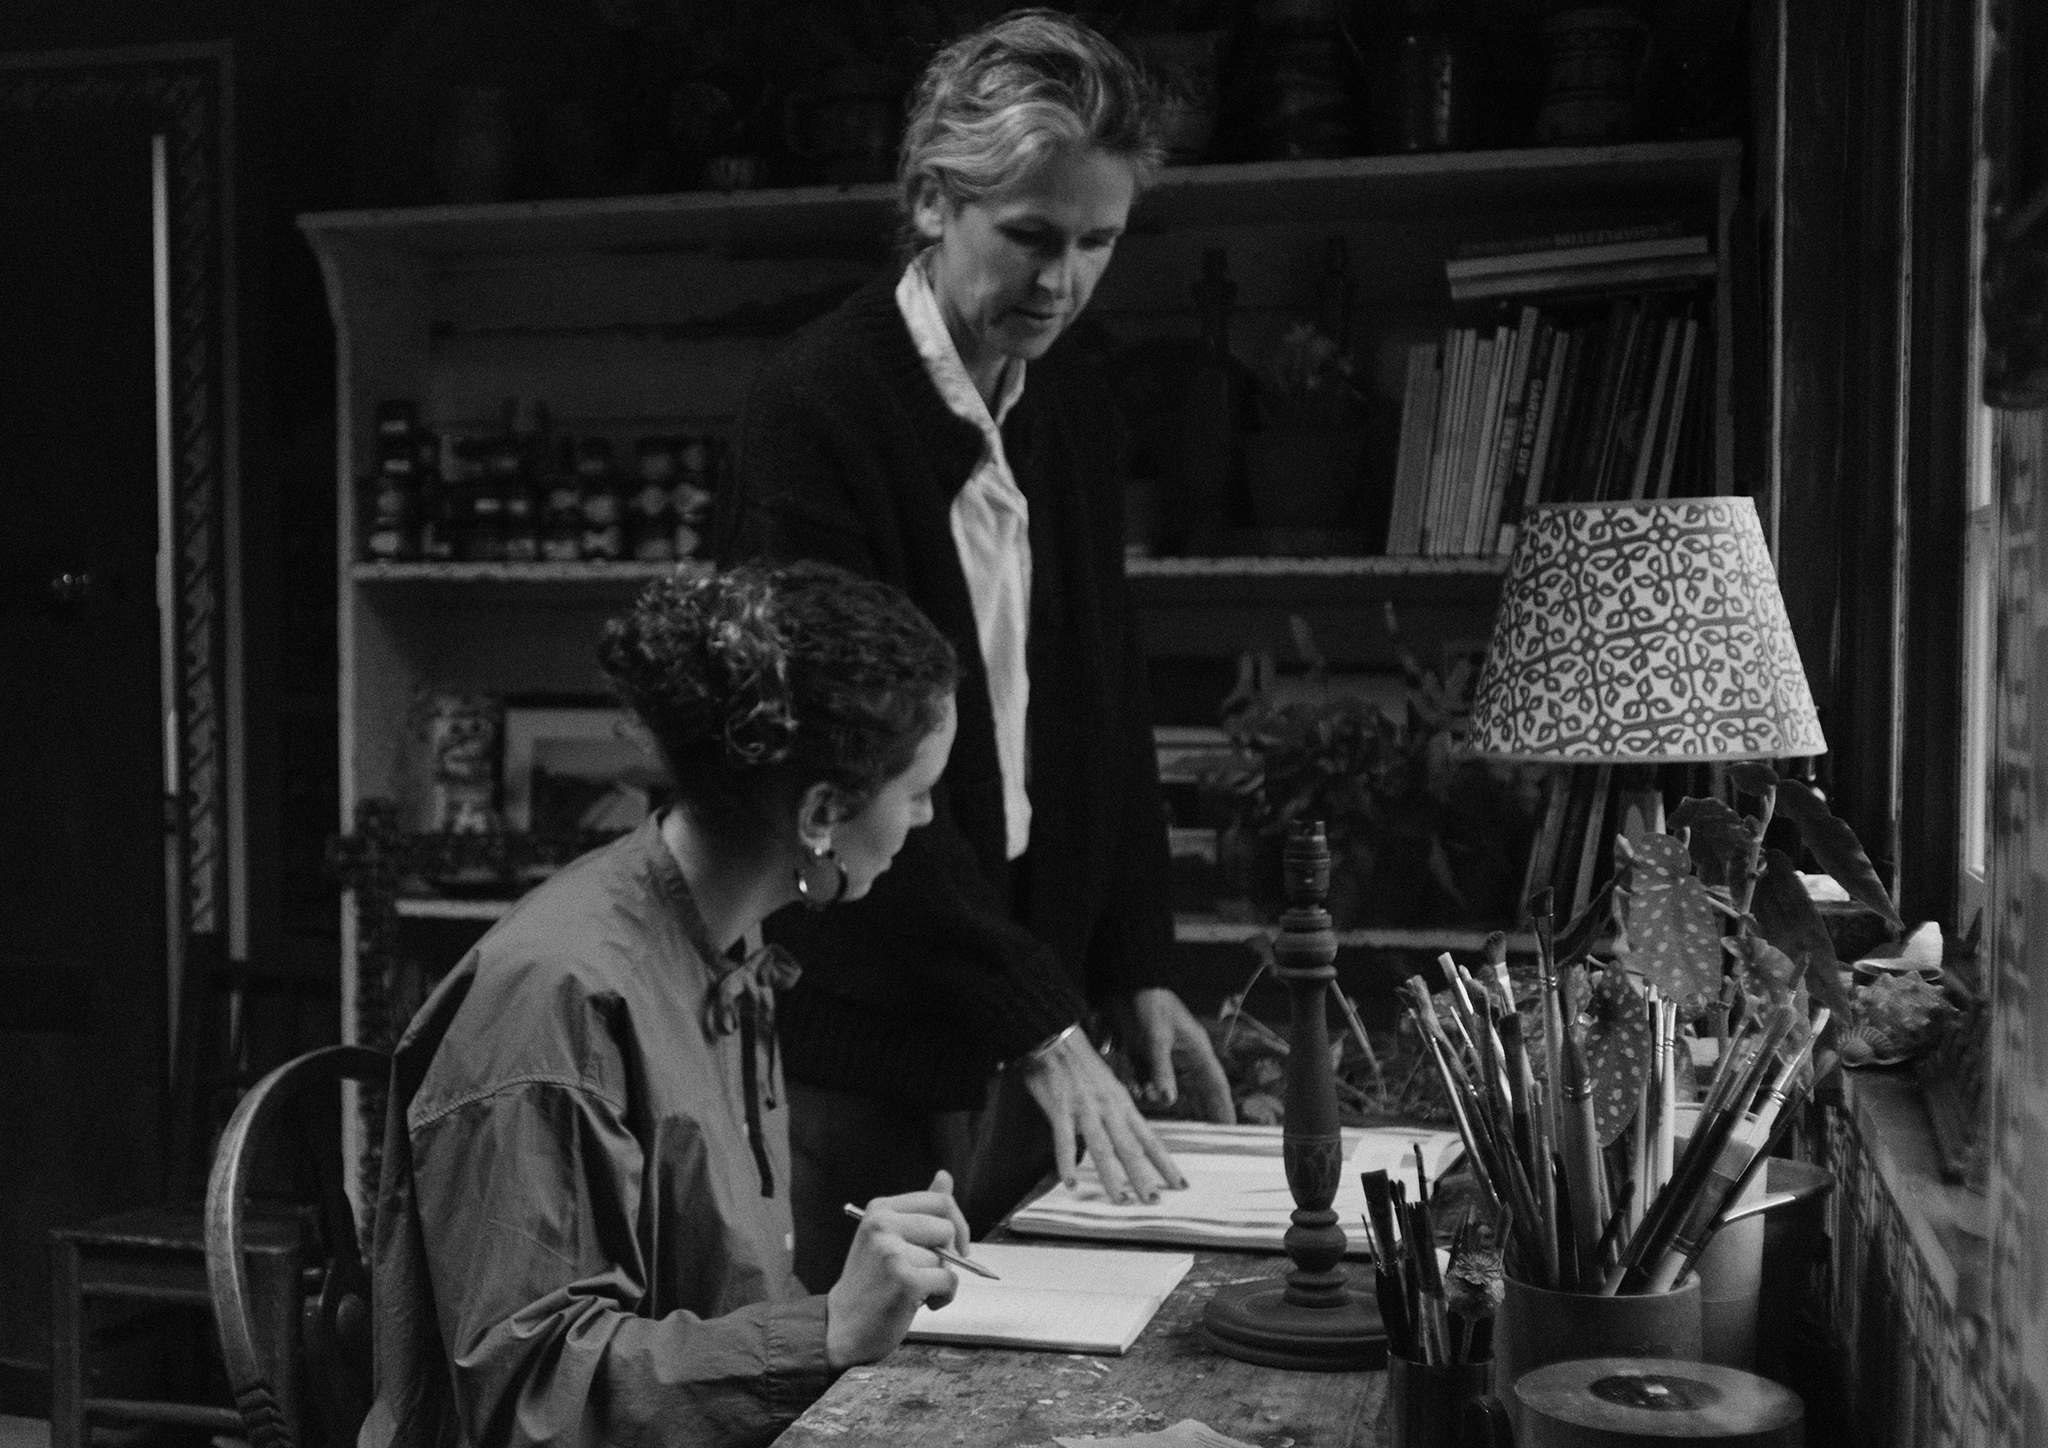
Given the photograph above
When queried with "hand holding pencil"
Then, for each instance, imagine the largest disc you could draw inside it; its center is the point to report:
(890, 1272)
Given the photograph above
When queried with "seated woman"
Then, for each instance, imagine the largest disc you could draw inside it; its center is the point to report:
(583, 1227)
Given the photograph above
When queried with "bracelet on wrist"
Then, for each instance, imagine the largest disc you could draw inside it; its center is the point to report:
(1044, 1048)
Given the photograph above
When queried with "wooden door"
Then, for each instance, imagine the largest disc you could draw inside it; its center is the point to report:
(115, 363)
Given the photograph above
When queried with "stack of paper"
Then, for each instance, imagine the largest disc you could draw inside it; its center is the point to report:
(1062, 1299)
(1237, 1197)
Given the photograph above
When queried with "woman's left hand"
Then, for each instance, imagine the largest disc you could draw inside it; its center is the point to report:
(1166, 1042)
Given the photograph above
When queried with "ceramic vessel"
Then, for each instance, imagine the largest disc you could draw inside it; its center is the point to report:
(1589, 81)
(1537, 1326)
(1425, 1402)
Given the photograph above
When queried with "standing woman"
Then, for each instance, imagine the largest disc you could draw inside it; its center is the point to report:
(583, 1223)
(899, 437)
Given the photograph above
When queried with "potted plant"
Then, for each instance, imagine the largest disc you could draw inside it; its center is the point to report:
(1419, 833)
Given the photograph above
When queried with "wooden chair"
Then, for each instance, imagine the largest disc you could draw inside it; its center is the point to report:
(138, 1277)
(326, 1351)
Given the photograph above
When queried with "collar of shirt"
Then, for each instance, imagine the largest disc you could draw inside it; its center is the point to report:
(991, 526)
(920, 307)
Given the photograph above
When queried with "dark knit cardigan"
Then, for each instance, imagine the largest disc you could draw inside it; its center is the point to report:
(847, 453)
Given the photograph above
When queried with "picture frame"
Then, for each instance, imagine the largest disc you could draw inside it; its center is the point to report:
(576, 764)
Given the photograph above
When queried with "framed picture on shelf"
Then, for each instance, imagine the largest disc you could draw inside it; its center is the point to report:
(576, 764)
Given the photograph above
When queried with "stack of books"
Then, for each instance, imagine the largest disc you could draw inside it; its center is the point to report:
(1629, 258)
(1588, 400)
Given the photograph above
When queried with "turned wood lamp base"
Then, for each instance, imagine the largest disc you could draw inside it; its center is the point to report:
(1311, 1319)
(1255, 1322)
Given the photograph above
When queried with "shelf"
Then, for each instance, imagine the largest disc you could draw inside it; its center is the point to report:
(1298, 582)
(805, 219)
(1187, 929)
(415, 909)
(1264, 569)
(566, 581)
(1206, 930)
(1154, 581)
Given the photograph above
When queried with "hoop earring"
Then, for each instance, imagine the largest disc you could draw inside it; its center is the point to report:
(820, 878)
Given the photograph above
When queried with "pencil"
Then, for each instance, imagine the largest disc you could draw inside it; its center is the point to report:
(954, 1257)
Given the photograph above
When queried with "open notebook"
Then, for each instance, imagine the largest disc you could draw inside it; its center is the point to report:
(1237, 1197)
(1062, 1299)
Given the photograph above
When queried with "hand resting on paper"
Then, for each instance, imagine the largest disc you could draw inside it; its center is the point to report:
(890, 1272)
(1088, 1107)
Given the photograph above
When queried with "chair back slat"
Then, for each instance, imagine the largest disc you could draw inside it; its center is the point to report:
(254, 1367)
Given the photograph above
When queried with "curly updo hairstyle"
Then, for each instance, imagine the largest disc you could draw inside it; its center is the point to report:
(762, 680)
(994, 103)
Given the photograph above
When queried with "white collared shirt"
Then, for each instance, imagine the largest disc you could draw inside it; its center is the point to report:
(992, 534)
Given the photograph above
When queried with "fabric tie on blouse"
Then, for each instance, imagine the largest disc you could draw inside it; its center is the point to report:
(991, 526)
(743, 1000)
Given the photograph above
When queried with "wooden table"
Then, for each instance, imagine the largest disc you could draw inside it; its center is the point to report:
(931, 1396)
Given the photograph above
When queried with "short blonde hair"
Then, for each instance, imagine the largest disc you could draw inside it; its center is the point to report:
(996, 102)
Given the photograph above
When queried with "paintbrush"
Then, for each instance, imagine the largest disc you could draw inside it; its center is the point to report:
(1729, 1169)
(1762, 1124)
(1551, 1006)
(1464, 1110)
(1580, 1148)
(1615, 1223)
(1429, 1284)
(1710, 1135)
(1386, 1285)
(1692, 1248)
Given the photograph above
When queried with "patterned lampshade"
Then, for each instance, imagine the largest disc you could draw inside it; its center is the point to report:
(1643, 633)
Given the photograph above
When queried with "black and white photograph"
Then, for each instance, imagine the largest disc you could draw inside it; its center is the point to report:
(969, 724)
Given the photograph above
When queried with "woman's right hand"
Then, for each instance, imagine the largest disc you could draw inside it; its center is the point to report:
(890, 1273)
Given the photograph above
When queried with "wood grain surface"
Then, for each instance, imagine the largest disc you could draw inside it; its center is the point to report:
(927, 1396)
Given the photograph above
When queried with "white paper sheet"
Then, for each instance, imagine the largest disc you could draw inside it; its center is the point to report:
(1237, 1195)
(1062, 1299)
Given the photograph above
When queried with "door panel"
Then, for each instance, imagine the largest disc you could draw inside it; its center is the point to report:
(82, 822)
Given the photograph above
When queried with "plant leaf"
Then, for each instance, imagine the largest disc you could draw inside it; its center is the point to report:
(1835, 845)
(1753, 778)
(1672, 927)
(1717, 834)
(1763, 962)
(1575, 941)
(1787, 917)
(1617, 1052)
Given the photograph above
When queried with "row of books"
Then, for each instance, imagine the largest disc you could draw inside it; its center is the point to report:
(1608, 260)
(1574, 401)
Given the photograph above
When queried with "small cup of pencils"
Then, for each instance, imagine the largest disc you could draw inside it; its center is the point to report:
(1602, 1238)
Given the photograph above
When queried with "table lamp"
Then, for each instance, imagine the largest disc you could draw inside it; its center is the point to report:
(1312, 1319)
(1640, 633)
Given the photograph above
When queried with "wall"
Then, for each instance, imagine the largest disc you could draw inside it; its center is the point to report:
(2018, 1361)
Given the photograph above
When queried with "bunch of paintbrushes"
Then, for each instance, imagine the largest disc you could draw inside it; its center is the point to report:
(1581, 1218)
(1432, 1313)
